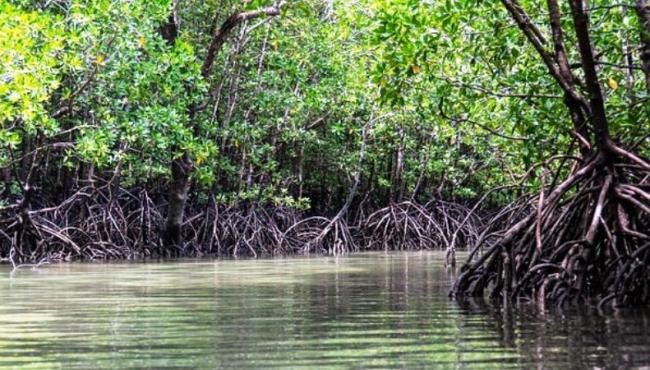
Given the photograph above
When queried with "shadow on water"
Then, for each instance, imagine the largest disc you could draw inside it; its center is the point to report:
(577, 338)
(360, 311)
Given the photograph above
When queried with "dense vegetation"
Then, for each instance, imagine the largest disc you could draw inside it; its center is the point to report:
(158, 128)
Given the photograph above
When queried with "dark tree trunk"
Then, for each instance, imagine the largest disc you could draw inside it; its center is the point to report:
(26, 148)
(178, 190)
(396, 191)
(596, 102)
(180, 167)
(562, 60)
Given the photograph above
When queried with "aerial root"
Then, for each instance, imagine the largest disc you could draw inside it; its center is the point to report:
(410, 226)
(246, 229)
(95, 224)
(320, 235)
(87, 225)
(586, 239)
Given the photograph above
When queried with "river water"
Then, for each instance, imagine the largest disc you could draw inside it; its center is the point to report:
(370, 310)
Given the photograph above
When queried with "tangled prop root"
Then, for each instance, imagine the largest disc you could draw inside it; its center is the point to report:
(320, 235)
(239, 230)
(584, 239)
(410, 226)
(88, 225)
(102, 223)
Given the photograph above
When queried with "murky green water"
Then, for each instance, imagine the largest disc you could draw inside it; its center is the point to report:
(360, 311)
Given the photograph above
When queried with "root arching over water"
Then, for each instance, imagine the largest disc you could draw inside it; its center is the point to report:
(582, 240)
(320, 235)
(95, 224)
(410, 226)
(88, 225)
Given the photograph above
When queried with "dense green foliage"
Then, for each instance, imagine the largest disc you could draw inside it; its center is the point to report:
(98, 94)
(470, 60)
(96, 82)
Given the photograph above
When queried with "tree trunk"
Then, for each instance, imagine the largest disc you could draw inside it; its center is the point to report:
(562, 60)
(172, 233)
(181, 167)
(596, 102)
(26, 149)
(178, 190)
(398, 169)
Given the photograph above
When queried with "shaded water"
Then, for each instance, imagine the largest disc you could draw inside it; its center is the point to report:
(360, 311)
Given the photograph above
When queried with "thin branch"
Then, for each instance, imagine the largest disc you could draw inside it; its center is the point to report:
(219, 37)
(490, 130)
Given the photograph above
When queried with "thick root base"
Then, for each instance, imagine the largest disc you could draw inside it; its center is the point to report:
(585, 240)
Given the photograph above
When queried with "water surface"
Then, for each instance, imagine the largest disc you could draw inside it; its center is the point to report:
(371, 310)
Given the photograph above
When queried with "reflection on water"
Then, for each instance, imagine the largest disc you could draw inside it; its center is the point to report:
(359, 311)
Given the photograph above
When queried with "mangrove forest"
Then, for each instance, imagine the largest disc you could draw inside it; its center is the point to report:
(511, 136)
